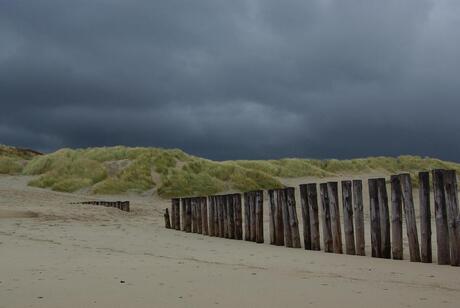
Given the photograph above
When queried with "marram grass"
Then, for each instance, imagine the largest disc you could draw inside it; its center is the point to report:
(175, 173)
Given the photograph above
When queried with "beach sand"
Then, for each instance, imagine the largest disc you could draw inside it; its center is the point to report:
(57, 254)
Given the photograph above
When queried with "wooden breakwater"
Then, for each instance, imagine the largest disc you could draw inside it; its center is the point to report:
(121, 205)
(225, 216)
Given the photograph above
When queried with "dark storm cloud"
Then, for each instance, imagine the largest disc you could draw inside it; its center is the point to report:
(233, 79)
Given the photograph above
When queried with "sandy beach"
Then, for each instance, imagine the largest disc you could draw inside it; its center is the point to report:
(57, 254)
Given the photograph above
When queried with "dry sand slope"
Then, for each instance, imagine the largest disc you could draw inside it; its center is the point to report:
(53, 254)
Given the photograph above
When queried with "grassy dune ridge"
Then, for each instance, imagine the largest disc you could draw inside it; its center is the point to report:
(172, 172)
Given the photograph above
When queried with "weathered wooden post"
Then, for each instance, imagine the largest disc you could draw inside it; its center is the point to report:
(326, 217)
(425, 217)
(198, 215)
(453, 218)
(211, 215)
(282, 201)
(396, 218)
(307, 234)
(252, 216)
(332, 191)
(173, 213)
(385, 249)
(226, 217)
(376, 239)
(247, 217)
(184, 213)
(230, 216)
(216, 216)
(293, 220)
(220, 211)
(409, 213)
(204, 215)
(440, 210)
(238, 217)
(167, 222)
(279, 222)
(175, 210)
(271, 212)
(188, 209)
(347, 205)
(359, 217)
(312, 199)
(259, 205)
(194, 216)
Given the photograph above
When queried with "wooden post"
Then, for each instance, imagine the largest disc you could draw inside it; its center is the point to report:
(199, 212)
(238, 217)
(216, 216)
(196, 212)
(440, 210)
(396, 218)
(178, 222)
(211, 215)
(376, 238)
(385, 249)
(194, 217)
(307, 236)
(167, 221)
(312, 196)
(174, 202)
(453, 218)
(359, 217)
(279, 222)
(425, 217)
(220, 210)
(409, 213)
(259, 205)
(226, 217)
(271, 221)
(349, 231)
(204, 216)
(293, 220)
(247, 217)
(326, 217)
(230, 216)
(188, 227)
(176, 216)
(184, 213)
(332, 191)
(282, 201)
(252, 215)
(189, 215)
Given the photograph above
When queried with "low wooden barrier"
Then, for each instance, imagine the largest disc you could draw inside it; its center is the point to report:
(224, 217)
(121, 205)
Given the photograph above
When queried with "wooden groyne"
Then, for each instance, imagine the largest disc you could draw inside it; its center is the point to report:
(227, 216)
(121, 205)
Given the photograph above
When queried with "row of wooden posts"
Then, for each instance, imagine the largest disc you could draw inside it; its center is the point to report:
(121, 205)
(222, 216)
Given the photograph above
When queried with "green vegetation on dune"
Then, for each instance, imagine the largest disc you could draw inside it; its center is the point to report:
(114, 170)
(12, 160)
(9, 165)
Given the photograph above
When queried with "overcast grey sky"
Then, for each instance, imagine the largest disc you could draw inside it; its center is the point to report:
(233, 79)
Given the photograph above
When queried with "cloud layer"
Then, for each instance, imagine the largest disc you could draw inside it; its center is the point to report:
(233, 79)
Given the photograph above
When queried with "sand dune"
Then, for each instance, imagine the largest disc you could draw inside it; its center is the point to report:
(57, 254)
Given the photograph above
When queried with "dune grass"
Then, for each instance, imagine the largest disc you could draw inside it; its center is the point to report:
(11, 166)
(175, 173)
